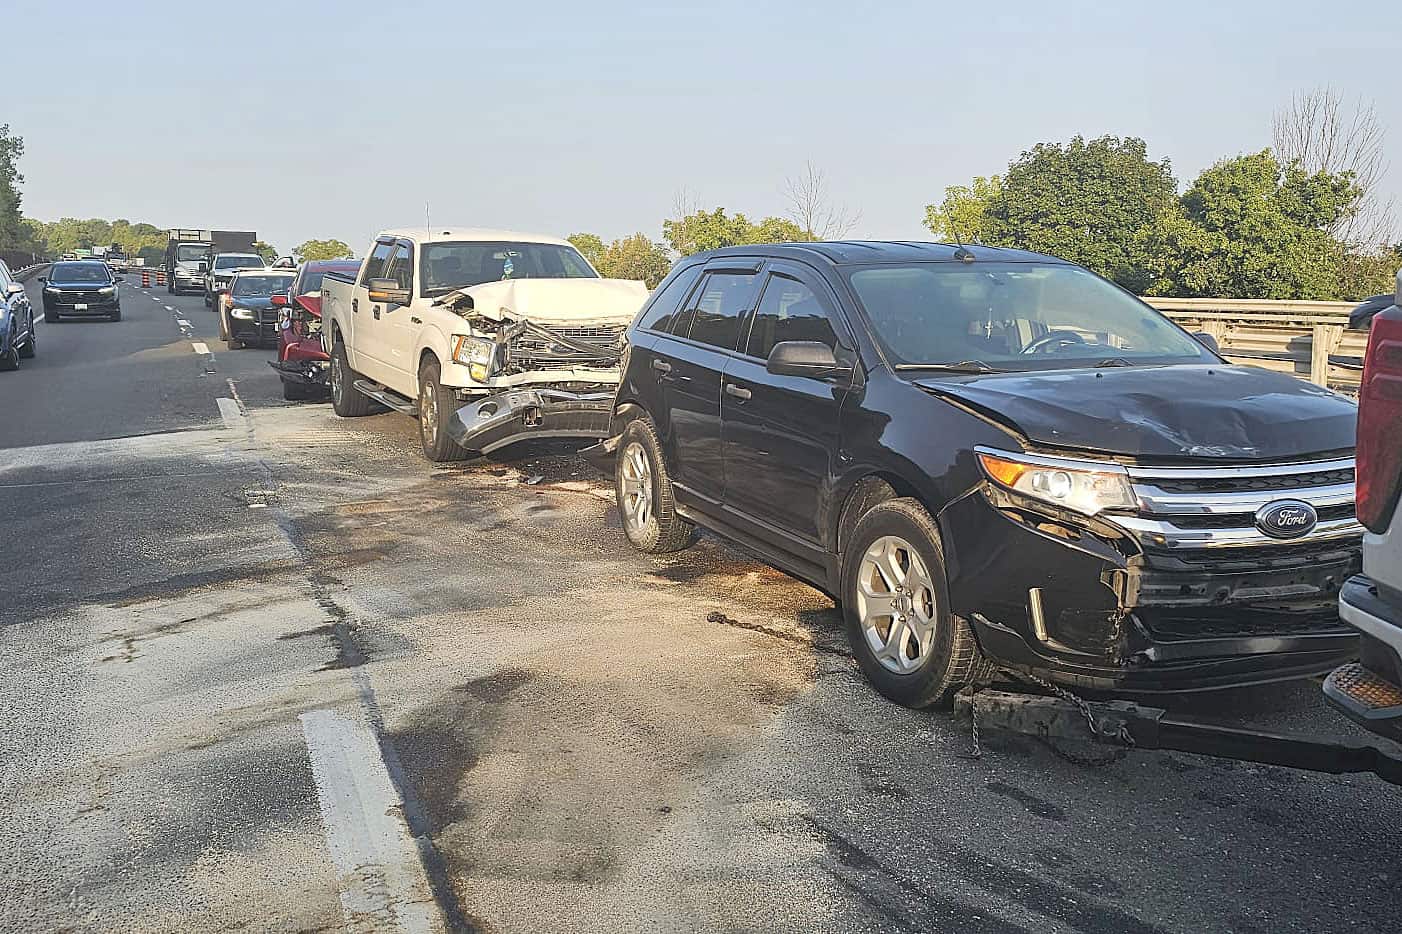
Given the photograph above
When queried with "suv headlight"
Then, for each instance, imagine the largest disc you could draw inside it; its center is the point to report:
(478, 354)
(1090, 490)
(245, 313)
(107, 291)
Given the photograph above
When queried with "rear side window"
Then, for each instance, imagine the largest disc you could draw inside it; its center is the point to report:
(663, 311)
(376, 262)
(789, 311)
(717, 307)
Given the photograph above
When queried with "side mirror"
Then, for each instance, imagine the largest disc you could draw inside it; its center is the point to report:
(1208, 341)
(44, 279)
(387, 292)
(17, 288)
(813, 359)
(279, 299)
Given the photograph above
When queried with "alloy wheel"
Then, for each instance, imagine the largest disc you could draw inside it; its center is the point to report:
(637, 486)
(896, 604)
(428, 412)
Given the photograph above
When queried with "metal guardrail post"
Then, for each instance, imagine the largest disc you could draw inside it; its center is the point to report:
(1324, 340)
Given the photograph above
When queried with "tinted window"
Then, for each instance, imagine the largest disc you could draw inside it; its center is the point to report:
(235, 260)
(717, 307)
(401, 267)
(260, 285)
(375, 265)
(80, 272)
(788, 311)
(449, 266)
(663, 311)
(191, 252)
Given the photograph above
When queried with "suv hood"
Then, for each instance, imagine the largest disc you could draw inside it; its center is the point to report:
(1172, 412)
(576, 301)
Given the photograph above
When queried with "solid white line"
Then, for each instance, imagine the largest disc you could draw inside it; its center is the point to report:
(229, 411)
(382, 882)
(200, 347)
(183, 323)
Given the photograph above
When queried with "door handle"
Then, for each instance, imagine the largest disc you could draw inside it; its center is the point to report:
(415, 320)
(355, 305)
(737, 391)
(662, 366)
(375, 310)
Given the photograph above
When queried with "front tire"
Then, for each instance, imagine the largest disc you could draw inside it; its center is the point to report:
(436, 403)
(50, 317)
(116, 315)
(346, 400)
(10, 359)
(896, 605)
(31, 346)
(644, 493)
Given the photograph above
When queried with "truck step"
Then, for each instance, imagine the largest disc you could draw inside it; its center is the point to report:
(1367, 691)
(386, 397)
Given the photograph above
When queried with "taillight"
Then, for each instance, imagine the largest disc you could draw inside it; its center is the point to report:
(1379, 475)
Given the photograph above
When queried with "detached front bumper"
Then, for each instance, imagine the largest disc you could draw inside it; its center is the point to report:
(520, 414)
(1080, 603)
(303, 372)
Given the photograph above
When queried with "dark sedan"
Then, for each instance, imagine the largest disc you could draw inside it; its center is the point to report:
(247, 314)
(85, 289)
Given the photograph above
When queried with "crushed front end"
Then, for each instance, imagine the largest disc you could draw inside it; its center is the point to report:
(1187, 588)
(301, 358)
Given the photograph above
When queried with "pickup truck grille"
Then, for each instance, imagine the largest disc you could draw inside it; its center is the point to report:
(535, 350)
(1196, 514)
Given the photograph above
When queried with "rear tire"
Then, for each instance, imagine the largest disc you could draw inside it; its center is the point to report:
(916, 652)
(436, 404)
(643, 490)
(346, 400)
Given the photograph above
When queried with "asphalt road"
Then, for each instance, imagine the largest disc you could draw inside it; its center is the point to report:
(266, 669)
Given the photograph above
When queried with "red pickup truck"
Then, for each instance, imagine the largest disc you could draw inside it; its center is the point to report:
(301, 361)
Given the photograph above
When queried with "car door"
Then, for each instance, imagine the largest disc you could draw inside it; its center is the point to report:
(401, 327)
(688, 363)
(780, 433)
(369, 346)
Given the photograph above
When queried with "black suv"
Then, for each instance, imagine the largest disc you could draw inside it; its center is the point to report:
(991, 458)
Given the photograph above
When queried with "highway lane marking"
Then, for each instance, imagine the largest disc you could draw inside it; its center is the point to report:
(200, 347)
(230, 412)
(183, 323)
(380, 877)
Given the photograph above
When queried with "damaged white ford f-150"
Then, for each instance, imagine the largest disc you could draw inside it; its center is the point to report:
(487, 336)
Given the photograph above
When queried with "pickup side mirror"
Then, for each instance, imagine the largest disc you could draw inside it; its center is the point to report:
(387, 292)
(813, 359)
(1208, 341)
(279, 299)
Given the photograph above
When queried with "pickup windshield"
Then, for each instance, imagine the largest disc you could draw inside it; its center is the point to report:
(449, 266)
(191, 252)
(985, 317)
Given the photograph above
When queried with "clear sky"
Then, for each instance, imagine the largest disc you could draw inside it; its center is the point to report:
(320, 119)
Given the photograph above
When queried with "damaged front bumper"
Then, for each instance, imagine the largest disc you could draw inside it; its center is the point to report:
(1081, 602)
(495, 421)
(303, 372)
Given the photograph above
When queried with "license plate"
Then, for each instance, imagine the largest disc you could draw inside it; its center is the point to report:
(80, 307)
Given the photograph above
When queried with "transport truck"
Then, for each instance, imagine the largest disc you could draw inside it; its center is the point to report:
(188, 250)
(486, 336)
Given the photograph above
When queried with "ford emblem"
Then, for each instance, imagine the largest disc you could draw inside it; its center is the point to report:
(1286, 518)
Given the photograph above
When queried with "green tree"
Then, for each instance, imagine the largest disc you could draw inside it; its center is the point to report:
(13, 233)
(1087, 201)
(711, 230)
(1251, 228)
(635, 257)
(590, 246)
(265, 250)
(323, 249)
(961, 216)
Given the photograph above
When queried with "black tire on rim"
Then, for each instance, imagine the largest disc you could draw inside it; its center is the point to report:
(346, 400)
(9, 360)
(50, 317)
(31, 346)
(896, 605)
(116, 315)
(436, 404)
(643, 489)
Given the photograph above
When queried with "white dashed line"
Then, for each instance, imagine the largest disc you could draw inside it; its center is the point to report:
(200, 347)
(183, 323)
(230, 412)
(381, 879)
(170, 308)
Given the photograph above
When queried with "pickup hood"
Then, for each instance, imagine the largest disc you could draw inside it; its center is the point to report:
(1162, 413)
(578, 302)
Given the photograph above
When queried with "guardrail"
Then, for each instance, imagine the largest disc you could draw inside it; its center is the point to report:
(1310, 340)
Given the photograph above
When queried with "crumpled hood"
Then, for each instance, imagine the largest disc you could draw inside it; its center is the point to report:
(311, 302)
(577, 301)
(1234, 412)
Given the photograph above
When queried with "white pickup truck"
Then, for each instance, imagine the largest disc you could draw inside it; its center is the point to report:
(487, 336)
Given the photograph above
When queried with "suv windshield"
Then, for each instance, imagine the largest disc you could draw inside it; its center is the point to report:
(449, 266)
(259, 286)
(80, 272)
(1013, 316)
(235, 260)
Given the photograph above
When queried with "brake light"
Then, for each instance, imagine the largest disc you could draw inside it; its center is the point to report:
(1379, 473)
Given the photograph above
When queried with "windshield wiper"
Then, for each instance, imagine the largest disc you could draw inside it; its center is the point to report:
(1113, 361)
(964, 366)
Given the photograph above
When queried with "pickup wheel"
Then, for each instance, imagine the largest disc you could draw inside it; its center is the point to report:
(896, 606)
(644, 491)
(436, 404)
(346, 401)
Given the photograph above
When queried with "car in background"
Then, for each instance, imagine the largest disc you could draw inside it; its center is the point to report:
(247, 314)
(302, 363)
(992, 459)
(84, 288)
(1361, 317)
(1369, 691)
(17, 335)
(221, 270)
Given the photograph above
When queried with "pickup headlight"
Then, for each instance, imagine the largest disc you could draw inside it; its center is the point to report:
(478, 354)
(1089, 490)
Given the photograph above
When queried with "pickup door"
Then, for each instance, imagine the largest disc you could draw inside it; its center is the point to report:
(400, 326)
(369, 354)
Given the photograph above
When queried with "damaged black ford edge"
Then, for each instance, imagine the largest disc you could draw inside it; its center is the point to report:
(991, 459)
